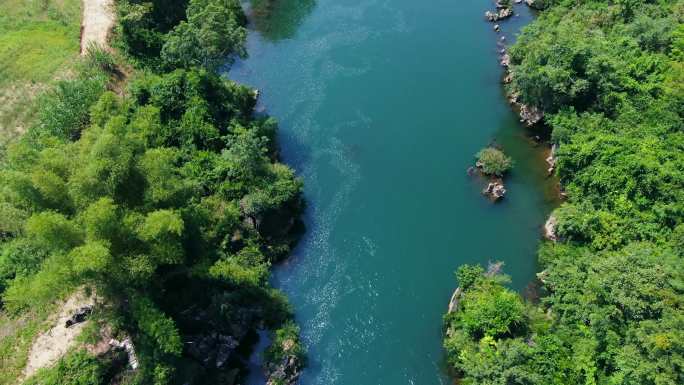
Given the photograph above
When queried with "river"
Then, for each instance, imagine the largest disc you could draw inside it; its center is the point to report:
(382, 105)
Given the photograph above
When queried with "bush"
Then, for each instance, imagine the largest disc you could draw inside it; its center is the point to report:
(64, 112)
(493, 162)
(99, 57)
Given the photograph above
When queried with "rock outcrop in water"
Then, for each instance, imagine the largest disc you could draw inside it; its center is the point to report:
(285, 371)
(500, 14)
(495, 190)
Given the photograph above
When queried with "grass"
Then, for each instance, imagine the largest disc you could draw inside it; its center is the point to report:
(16, 337)
(39, 42)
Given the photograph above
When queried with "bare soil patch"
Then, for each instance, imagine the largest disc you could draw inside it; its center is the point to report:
(50, 346)
(98, 21)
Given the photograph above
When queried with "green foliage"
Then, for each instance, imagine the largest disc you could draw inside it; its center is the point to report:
(608, 75)
(214, 31)
(285, 343)
(182, 34)
(490, 311)
(99, 57)
(493, 161)
(64, 111)
(468, 275)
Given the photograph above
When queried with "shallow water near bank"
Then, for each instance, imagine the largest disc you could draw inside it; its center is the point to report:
(382, 105)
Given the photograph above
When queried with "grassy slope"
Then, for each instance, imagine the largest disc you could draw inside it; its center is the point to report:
(39, 40)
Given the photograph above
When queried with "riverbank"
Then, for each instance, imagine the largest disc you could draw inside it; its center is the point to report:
(608, 272)
(166, 198)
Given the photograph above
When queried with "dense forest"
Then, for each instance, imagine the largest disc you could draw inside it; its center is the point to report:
(148, 180)
(609, 77)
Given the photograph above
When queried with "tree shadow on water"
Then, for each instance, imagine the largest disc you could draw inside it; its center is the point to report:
(279, 19)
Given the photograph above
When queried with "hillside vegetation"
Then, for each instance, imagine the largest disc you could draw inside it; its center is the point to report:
(609, 76)
(169, 202)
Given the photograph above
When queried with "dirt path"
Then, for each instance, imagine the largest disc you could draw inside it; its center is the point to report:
(98, 20)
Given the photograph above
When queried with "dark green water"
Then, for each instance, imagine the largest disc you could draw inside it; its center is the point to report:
(382, 105)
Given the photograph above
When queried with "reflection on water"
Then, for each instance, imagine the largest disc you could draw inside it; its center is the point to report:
(278, 19)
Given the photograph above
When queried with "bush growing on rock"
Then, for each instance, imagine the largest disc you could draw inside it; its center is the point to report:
(492, 161)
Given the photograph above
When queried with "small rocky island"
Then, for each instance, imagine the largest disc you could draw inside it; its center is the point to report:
(494, 164)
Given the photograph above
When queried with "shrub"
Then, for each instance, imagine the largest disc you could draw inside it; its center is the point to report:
(64, 111)
(99, 57)
(493, 162)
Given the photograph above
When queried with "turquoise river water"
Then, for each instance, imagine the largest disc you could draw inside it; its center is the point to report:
(382, 105)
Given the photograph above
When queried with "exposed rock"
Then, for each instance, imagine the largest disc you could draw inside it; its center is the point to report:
(495, 190)
(497, 27)
(551, 159)
(518, 1)
(500, 14)
(530, 115)
(543, 277)
(508, 78)
(505, 59)
(550, 229)
(287, 371)
(455, 298)
(226, 346)
(127, 345)
(211, 350)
